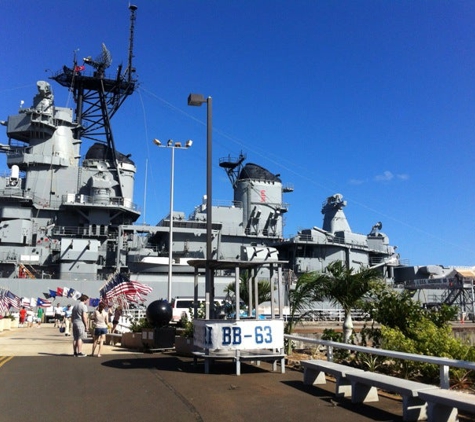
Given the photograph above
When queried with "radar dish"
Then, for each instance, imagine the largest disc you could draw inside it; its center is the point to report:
(102, 61)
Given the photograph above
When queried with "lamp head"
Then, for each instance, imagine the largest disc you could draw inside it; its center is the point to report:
(196, 99)
(189, 143)
(169, 143)
(157, 142)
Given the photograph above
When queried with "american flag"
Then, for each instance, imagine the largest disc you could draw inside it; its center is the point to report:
(13, 300)
(3, 307)
(9, 299)
(120, 287)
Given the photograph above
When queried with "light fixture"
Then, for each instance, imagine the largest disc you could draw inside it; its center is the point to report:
(172, 147)
(197, 100)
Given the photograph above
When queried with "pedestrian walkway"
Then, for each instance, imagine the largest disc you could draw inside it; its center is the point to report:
(45, 340)
(123, 384)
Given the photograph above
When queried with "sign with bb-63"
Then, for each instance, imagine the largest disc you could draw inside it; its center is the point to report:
(238, 334)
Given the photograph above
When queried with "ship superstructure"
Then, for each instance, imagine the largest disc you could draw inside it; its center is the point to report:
(67, 217)
(313, 249)
(59, 213)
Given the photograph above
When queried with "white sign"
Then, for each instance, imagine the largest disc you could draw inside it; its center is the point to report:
(238, 335)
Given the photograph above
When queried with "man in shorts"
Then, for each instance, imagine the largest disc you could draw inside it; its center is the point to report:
(58, 318)
(79, 320)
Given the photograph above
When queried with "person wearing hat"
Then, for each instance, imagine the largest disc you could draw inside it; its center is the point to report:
(79, 320)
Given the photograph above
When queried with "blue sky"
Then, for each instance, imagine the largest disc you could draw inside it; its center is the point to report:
(371, 99)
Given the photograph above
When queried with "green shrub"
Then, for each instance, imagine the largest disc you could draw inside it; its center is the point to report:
(138, 324)
(339, 355)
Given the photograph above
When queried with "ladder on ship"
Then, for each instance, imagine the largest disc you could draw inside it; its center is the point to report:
(24, 272)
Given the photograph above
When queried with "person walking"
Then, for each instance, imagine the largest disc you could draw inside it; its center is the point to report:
(67, 320)
(22, 316)
(29, 318)
(39, 315)
(101, 319)
(79, 320)
(57, 316)
(116, 319)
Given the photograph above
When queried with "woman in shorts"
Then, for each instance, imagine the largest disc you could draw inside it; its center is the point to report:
(116, 318)
(100, 328)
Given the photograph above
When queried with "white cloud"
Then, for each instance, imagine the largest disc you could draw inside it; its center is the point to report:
(385, 177)
(357, 181)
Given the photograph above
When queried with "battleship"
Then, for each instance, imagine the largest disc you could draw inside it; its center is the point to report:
(68, 217)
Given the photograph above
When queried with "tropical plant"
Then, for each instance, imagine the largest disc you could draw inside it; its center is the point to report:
(263, 289)
(300, 300)
(462, 379)
(187, 323)
(339, 355)
(406, 326)
(368, 361)
(342, 285)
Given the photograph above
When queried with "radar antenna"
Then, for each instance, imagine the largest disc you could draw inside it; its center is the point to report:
(130, 69)
(102, 62)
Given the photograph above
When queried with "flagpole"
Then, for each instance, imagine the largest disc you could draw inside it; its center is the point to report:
(145, 193)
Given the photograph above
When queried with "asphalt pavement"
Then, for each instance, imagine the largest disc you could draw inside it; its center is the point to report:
(41, 380)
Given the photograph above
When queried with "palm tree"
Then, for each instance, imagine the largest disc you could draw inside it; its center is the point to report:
(342, 285)
(263, 289)
(300, 300)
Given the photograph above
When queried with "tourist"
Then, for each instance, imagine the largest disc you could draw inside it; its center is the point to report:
(79, 320)
(117, 315)
(22, 316)
(67, 320)
(58, 317)
(39, 315)
(100, 328)
(29, 318)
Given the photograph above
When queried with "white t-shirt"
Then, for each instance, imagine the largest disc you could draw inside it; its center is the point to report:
(100, 318)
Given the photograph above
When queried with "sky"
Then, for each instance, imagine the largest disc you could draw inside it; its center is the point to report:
(371, 99)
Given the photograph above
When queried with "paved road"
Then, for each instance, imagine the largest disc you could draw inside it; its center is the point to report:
(41, 381)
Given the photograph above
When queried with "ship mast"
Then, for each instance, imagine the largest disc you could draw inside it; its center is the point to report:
(98, 97)
(232, 166)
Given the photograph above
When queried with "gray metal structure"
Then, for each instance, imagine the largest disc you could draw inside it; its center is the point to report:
(435, 285)
(67, 217)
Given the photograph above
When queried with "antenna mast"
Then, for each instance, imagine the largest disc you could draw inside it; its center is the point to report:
(130, 69)
(97, 96)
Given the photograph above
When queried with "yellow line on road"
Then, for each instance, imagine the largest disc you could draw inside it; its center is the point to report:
(5, 359)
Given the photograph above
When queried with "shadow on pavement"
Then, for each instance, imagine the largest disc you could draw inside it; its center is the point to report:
(325, 393)
(178, 364)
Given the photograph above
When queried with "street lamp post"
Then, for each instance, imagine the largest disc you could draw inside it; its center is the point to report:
(172, 146)
(197, 100)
